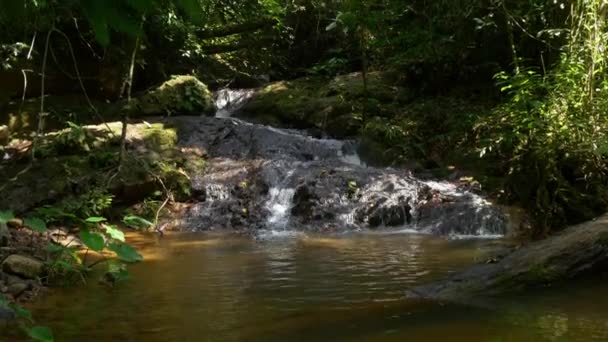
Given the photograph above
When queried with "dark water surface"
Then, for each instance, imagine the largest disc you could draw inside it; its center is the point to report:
(307, 288)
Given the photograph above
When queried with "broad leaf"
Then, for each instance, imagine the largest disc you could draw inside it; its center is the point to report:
(115, 233)
(21, 312)
(95, 220)
(94, 241)
(137, 222)
(40, 333)
(53, 248)
(6, 216)
(125, 252)
(35, 224)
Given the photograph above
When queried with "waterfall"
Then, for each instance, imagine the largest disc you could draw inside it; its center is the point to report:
(280, 197)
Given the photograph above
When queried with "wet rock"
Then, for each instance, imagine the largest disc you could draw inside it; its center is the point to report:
(26, 267)
(262, 177)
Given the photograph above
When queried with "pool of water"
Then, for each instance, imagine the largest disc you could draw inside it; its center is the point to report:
(195, 287)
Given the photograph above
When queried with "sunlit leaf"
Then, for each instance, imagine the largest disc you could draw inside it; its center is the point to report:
(95, 220)
(115, 233)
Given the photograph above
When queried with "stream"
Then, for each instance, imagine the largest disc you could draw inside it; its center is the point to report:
(330, 248)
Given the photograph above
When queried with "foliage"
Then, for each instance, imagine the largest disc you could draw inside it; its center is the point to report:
(549, 132)
(98, 236)
(26, 323)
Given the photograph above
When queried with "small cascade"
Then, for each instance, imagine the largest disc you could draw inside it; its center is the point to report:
(269, 179)
(280, 195)
(279, 205)
(228, 101)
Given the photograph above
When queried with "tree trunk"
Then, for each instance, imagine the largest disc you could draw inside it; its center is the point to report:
(576, 251)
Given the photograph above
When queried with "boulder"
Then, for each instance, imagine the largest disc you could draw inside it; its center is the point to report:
(26, 267)
(18, 288)
(333, 106)
(184, 95)
(7, 314)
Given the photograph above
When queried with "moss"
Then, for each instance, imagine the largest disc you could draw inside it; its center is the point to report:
(541, 274)
(159, 138)
(83, 178)
(332, 105)
(184, 95)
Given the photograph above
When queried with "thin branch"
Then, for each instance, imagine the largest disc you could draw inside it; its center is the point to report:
(41, 114)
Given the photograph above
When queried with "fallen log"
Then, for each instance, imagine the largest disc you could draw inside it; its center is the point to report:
(576, 251)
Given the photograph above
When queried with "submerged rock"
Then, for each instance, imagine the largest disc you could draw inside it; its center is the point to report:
(26, 267)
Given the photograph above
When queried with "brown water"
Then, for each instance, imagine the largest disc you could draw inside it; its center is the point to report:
(306, 288)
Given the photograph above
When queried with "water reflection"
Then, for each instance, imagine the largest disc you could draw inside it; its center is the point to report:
(307, 288)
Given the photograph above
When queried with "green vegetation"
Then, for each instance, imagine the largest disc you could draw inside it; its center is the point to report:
(514, 93)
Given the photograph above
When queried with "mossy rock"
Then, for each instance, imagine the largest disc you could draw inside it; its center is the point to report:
(333, 105)
(69, 179)
(183, 95)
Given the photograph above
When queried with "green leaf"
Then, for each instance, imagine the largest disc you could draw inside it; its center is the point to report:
(53, 248)
(137, 222)
(115, 233)
(21, 312)
(125, 252)
(40, 333)
(94, 241)
(35, 224)
(95, 219)
(6, 216)
(192, 8)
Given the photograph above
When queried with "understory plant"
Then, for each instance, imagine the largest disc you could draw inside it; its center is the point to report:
(550, 135)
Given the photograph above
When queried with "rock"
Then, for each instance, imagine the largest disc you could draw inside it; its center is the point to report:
(6, 313)
(15, 223)
(5, 234)
(331, 106)
(258, 176)
(576, 251)
(23, 266)
(184, 95)
(17, 289)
